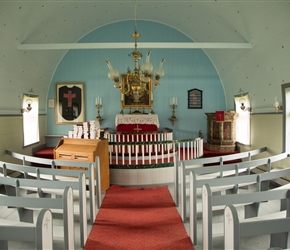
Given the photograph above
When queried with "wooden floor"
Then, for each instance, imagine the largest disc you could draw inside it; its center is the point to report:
(261, 242)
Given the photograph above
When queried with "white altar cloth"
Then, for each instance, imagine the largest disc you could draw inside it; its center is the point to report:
(137, 119)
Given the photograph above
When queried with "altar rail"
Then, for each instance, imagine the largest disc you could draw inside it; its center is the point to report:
(151, 148)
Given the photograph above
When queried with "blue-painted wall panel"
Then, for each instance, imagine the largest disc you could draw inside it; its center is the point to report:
(185, 69)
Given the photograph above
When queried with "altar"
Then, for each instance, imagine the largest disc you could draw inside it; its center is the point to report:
(136, 123)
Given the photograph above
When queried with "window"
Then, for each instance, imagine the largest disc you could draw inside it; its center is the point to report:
(286, 117)
(30, 119)
(243, 118)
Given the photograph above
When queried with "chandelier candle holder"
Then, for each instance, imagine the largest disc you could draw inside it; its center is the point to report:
(137, 83)
(99, 105)
(173, 105)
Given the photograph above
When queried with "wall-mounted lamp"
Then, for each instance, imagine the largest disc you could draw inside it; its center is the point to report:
(243, 107)
(277, 105)
(29, 107)
(243, 101)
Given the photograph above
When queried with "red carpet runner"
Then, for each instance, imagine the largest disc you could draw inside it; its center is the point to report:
(138, 219)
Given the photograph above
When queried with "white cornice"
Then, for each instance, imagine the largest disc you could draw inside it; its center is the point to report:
(159, 45)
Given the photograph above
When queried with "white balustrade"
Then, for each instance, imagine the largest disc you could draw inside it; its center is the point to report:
(150, 148)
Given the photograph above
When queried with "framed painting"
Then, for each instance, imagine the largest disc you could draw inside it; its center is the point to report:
(136, 99)
(69, 103)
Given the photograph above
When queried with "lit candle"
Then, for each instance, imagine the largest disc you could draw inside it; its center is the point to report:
(276, 103)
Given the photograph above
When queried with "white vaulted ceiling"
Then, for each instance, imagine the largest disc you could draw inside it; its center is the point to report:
(260, 70)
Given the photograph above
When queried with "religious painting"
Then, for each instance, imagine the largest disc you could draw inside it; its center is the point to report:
(227, 131)
(69, 103)
(216, 131)
(137, 97)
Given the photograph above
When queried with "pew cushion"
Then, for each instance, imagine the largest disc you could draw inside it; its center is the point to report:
(44, 153)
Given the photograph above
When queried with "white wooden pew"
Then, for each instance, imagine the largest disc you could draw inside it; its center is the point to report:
(211, 201)
(235, 229)
(224, 170)
(65, 204)
(94, 179)
(231, 184)
(57, 175)
(40, 232)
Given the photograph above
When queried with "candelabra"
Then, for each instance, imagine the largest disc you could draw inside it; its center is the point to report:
(99, 105)
(173, 105)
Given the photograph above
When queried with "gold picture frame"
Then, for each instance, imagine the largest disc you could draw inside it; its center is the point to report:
(69, 103)
(128, 102)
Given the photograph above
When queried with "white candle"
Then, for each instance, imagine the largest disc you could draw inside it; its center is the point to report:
(100, 100)
(276, 103)
(97, 100)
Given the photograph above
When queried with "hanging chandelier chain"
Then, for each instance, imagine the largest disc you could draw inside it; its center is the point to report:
(137, 82)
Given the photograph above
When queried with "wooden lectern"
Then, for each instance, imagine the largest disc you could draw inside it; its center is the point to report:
(86, 150)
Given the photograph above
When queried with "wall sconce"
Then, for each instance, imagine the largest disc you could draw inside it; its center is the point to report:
(243, 107)
(29, 107)
(99, 105)
(173, 105)
(277, 105)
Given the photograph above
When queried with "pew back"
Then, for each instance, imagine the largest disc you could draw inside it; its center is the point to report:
(278, 228)
(218, 170)
(228, 183)
(96, 179)
(52, 187)
(250, 200)
(40, 232)
(65, 203)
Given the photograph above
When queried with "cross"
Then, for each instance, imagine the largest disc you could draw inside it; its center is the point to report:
(137, 129)
(69, 97)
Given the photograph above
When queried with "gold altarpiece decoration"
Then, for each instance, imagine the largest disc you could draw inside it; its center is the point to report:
(136, 97)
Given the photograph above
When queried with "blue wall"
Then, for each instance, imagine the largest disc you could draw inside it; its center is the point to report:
(185, 69)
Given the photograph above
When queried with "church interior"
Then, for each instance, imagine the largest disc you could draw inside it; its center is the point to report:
(119, 79)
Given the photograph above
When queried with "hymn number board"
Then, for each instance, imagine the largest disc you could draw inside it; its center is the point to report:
(195, 99)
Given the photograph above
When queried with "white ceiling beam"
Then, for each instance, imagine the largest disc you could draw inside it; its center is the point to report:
(165, 45)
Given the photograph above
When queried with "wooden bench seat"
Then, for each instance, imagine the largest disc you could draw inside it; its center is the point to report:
(218, 170)
(228, 183)
(40, 232)
(93, 180)
(235, 229)
(42, 187)
(212, 201)
(26, 205)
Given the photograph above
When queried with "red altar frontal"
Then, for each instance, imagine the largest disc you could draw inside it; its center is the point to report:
(137, 123)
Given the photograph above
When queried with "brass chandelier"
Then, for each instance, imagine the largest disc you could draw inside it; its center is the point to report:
(139, 82)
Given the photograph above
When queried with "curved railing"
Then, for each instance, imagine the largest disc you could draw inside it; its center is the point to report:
(150, 148)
